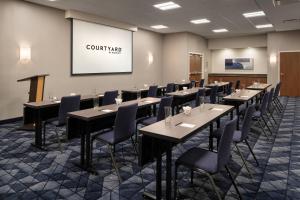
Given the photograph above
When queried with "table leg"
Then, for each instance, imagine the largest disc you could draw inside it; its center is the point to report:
(38, 139)
(238, 117)
(154, 109)
(211, 142)
(82, 147)
(88, 146)
(169, 172)
(158, 172)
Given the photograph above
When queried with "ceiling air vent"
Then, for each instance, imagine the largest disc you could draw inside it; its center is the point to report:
(277, 3)
(291, 21)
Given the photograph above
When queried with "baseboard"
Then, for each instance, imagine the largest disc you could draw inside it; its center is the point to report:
(11, 120)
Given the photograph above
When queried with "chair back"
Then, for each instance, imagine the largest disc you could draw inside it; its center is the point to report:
(67, 104)
(164, 102)
(109, 97)
(229, 88)
(200, 93)
(192, 84)
(125, 122)
(247, 122)
(213, 94)
(270, 99)
(170, 87)
(237, 84)
(152, 92)
(264, 103)
(202, 82)
(225, 143)
(277, 90)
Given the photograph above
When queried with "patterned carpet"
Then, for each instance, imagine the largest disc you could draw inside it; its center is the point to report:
(27, 173)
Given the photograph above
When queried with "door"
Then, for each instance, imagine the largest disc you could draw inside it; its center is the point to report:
(290, 73)
(195, 67)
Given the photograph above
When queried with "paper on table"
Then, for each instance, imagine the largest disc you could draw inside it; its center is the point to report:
(106, 110)
(217, 109)
(100, 95)
(148, 101)
(186, 125)
(244, 96)
(57, 101)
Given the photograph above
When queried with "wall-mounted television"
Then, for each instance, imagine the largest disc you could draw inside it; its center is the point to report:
(239, 64)
(100, 49)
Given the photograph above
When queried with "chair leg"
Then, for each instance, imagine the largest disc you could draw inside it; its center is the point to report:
(232, 180)
(244, 160)
(58, 140)
(175, 181)
(44, 134)
(114, 162)
(262, 128)
(251, 151)
(212, 182)
(134, 146)
(266, 123)
(192, 176)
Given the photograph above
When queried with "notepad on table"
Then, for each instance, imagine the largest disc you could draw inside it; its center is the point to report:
(57, 101)
(244, 96)
(217, 109)
(106, 110)
(148, 101)
(186, 125)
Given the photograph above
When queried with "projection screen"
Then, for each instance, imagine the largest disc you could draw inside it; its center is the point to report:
(100, 49)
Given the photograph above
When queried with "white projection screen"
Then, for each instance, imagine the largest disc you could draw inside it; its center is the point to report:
(100, 49)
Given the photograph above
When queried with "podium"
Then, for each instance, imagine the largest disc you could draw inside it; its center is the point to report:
(36, 94)
(37, 83)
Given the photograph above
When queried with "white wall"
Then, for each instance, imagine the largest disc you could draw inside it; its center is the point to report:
(48, 33)
(259, 55)
(277, 42)
(176, 49)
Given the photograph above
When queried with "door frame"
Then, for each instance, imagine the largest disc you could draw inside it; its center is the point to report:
(202, 63)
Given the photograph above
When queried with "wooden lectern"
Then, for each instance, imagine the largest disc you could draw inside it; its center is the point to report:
(37, 83)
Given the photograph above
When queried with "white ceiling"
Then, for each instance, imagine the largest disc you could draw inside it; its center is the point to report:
(222, 13)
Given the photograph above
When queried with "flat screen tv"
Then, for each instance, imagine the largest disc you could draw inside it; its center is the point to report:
(239, 64)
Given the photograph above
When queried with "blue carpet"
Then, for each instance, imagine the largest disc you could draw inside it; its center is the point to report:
(27, 173)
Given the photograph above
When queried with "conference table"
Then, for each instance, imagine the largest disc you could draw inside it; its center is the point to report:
(183, 96)
(259, 86)
(162, 136)
(221, 85)
(37, 112)
(182, 84)
(85, 122)
(240, 97)
(132, 94)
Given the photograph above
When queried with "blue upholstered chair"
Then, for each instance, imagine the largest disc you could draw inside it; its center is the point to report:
(200, 94)
(170, 87)
(208, 162)
(192, 84)
(213, 94)
(240, 136)
(109, 97)
(124, 129)
(259, 115)
(152, 92)
(164, 102)
(276, 100)
(237, 84)
(202, 83)
(270, 108)
(67, 104)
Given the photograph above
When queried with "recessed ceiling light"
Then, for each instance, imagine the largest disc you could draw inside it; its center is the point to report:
(52, 0)
(200, 21)
(167, 5)
(220, 30)
(159, 26)
(264, 26)
(254, 14)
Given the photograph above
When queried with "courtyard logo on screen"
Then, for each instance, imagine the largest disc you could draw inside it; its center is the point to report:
(109, 49)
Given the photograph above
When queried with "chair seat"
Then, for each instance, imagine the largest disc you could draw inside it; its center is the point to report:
(197, 158)
(256, 114)
(107, 137)
(148, 121)
(237, 135)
